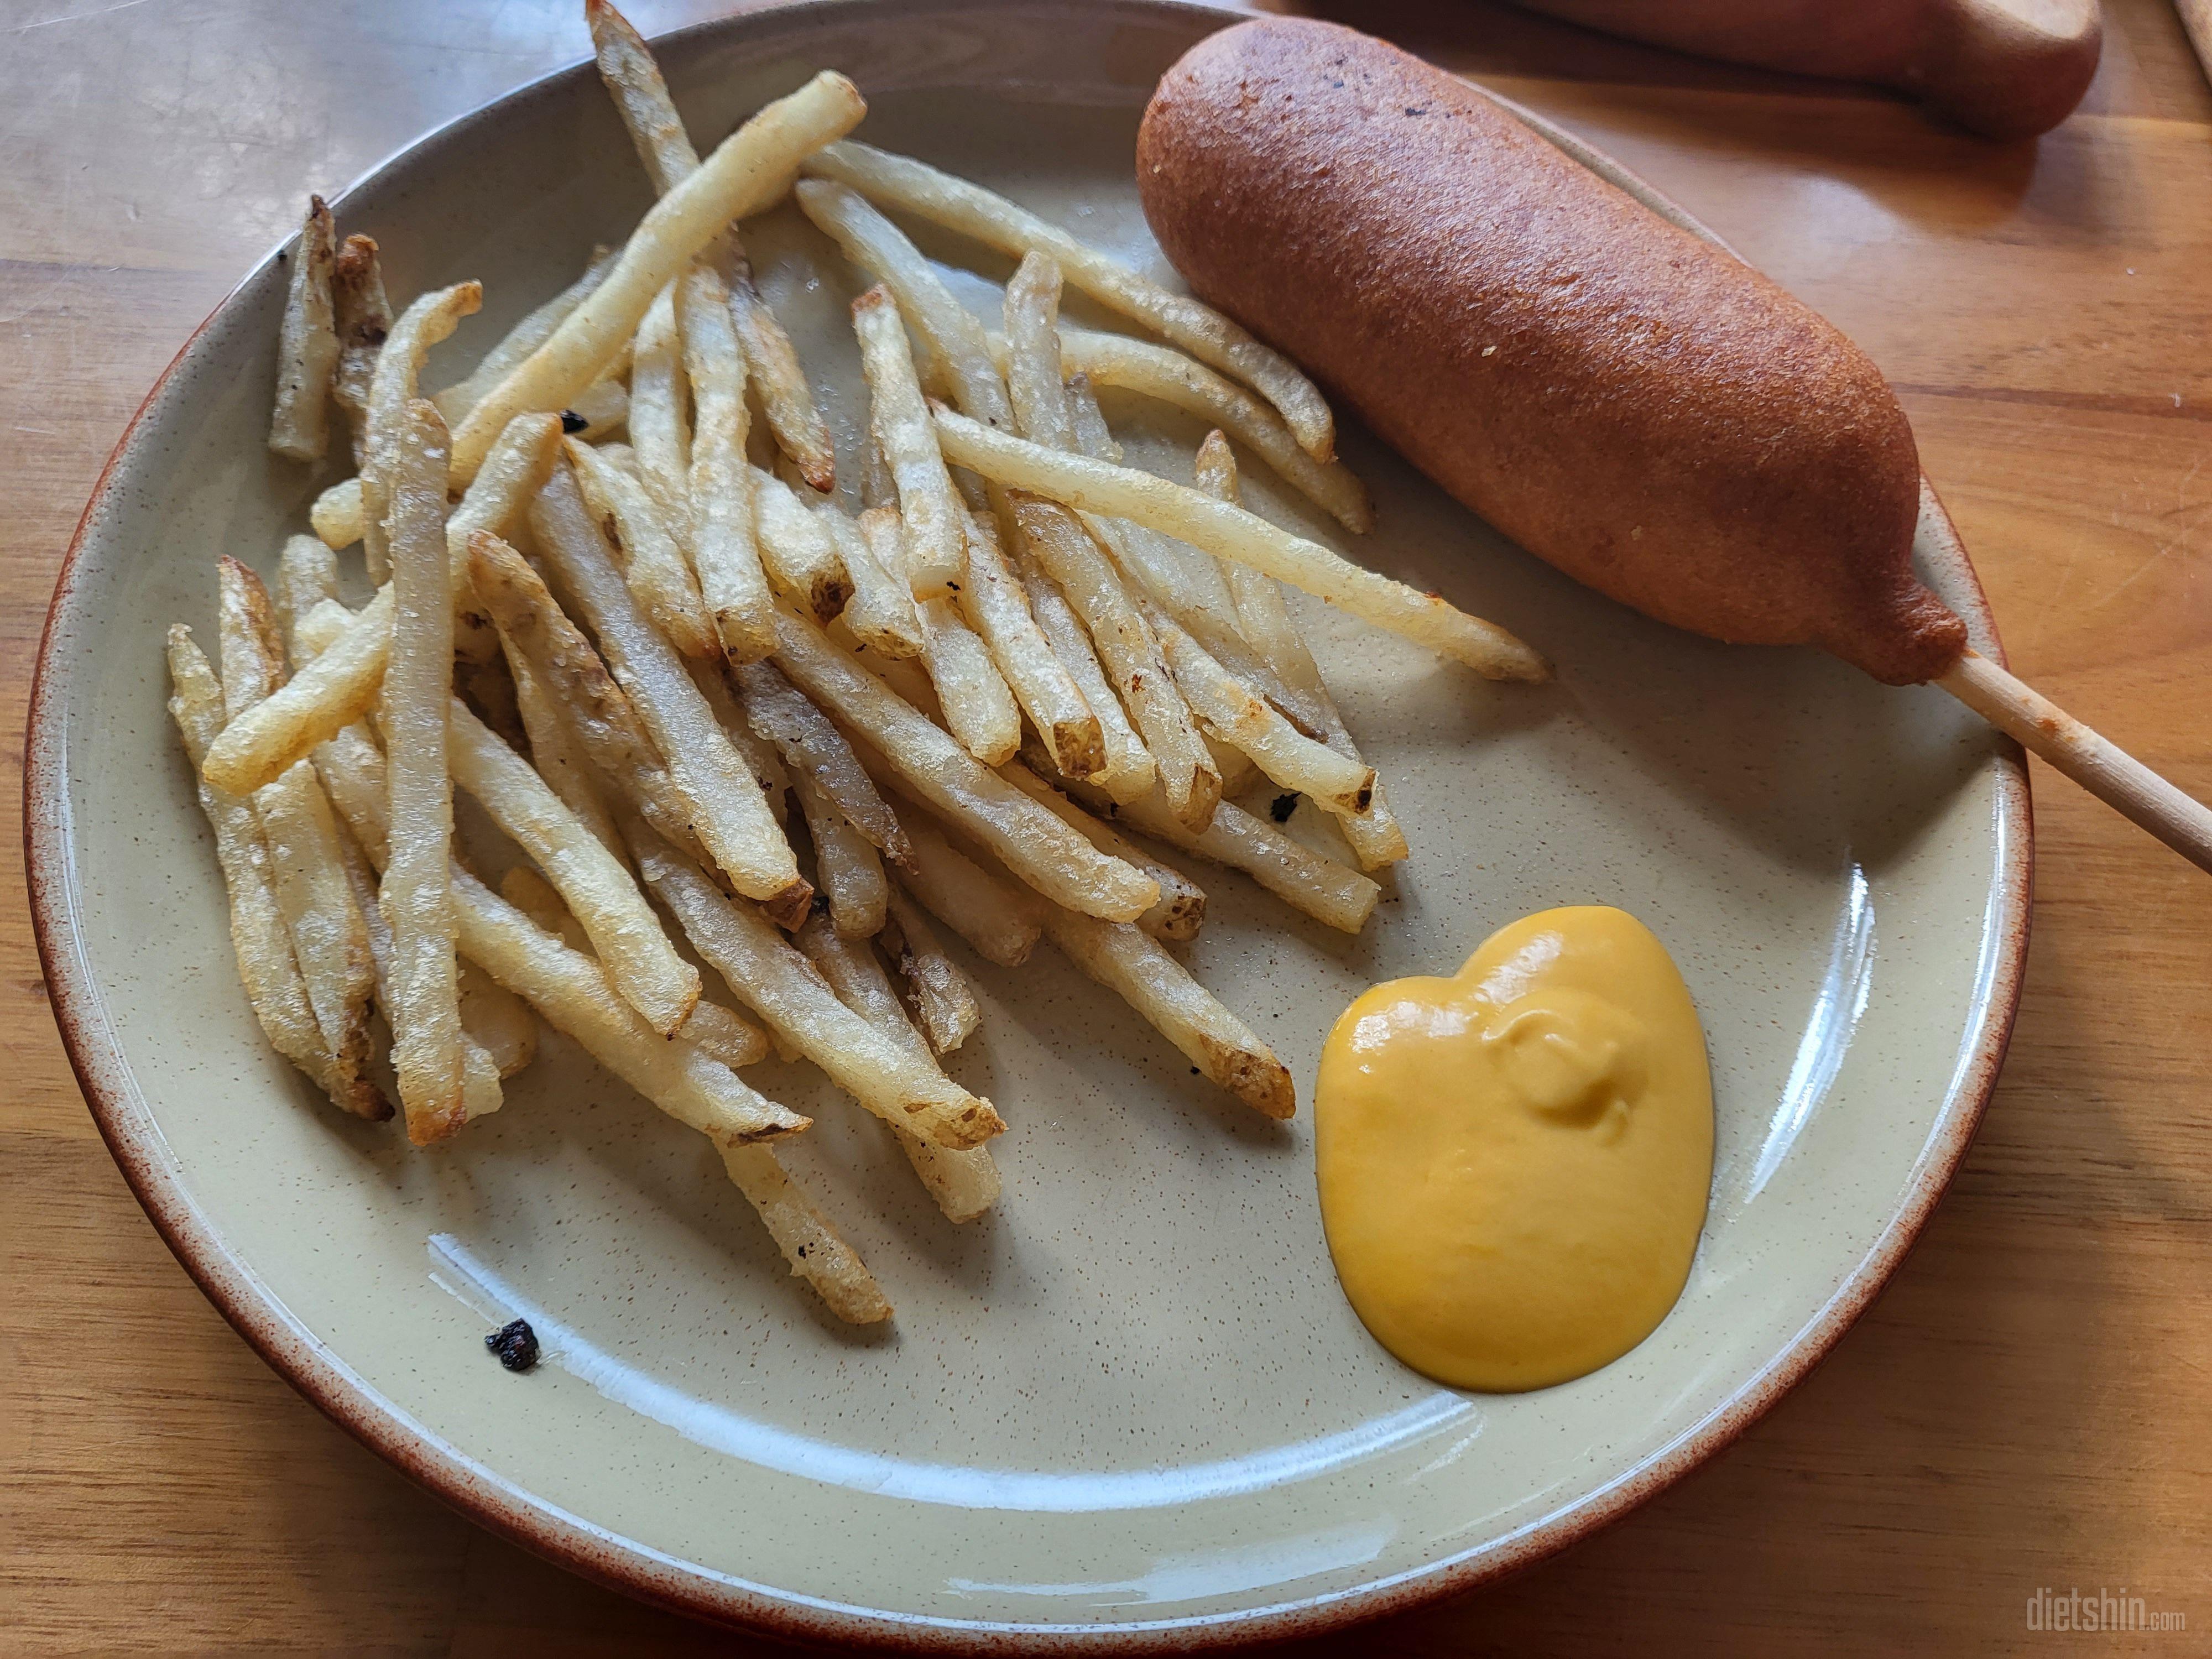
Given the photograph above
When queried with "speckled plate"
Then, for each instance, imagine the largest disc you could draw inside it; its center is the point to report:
(1131, 1411)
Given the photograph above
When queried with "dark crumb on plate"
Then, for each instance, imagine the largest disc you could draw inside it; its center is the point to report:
(515, 1344)
(572, 422)
(1282, 806)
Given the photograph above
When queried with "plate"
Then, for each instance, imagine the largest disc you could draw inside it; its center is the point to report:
(1132, 1410)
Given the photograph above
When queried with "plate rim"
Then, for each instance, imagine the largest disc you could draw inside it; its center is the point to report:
(136, 1142)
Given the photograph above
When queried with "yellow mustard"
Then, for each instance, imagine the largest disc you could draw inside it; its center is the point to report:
(1514, 1161)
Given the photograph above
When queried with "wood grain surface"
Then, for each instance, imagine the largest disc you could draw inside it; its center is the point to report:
(2028, 1404)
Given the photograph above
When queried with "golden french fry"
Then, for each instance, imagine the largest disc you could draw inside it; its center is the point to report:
(659, 416)
(339, 686)
(881, 613)
(498, 1025)
(416, 895)
(641, 95)
(455, 402)
(599, 711)
(1036, 845)
(797, 549)
(602, 406)
(336, 514)
(998, 609)
(1162, 373)
(1375, 836)
(1182, 909)
(810, 744)
(724, 549)
(727, 813)
(558, 755)
(306, 576)
(305, 865)
(307, 343)
(851, 875)
(942, 1001)
(747, 173)
(957, 346)
(649, 559)
(571, 993)
(1231, 532)
(812, 1247)
(1128, 962)
(364, 318)
(266, 966)
(901, 182)
(1128, 771)
(1325, 889)
(965, 1184)
(998, 918)
(779, 984)
(978, 705)
(936, 553)
(391, 388)
(1130, 651)
(538, 899)
(641, 964)
(726, 1035)
(1345, 788)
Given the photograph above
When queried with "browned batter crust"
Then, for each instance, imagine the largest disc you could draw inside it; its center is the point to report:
(1652, 416)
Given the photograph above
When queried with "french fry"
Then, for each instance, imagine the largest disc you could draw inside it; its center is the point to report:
(1160, 371)
(943, 1004)
(998, 610)
(724, 549)
(1128, 771)
(571, 993)
(538, 899)
(339, 686)
(965, 1184)
(416, 895)
(602, 406)
(1182, 909)
(779, 984)
(810, 1244)
(729, 1036)
(935, 523)
(266, 966)
(306, 868)
(881, 612)
(336, 514)
(558, 755)
(1375, 836)
(901, 182)
(625, 935)
(728, 814)
(998, 918)
(748, 172)
(977, 703)
(957, 344)
(810, 743)
(1129, 650)
(1128, 962)
(391, 387)
(1036, 845)
(1343, 786)
(659, 416)
(496, 1024)
(626, 66)
(306, 576)
(649, 559)
(1325, 889)
(1231, 532)
(797, 550)
(598, 711)
(363, 319)
(759, 756)
(455, 402)
(845, 863)
(307, 343)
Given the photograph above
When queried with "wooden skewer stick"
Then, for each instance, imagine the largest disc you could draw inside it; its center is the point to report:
(2104, 769)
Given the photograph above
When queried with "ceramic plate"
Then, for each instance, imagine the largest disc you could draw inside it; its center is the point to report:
(1132, 1409)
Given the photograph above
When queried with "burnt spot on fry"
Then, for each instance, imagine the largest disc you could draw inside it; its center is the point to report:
(1282, 806)
(572, 422)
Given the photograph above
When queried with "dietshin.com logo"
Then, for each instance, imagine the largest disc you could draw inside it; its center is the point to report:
(2099, 1609)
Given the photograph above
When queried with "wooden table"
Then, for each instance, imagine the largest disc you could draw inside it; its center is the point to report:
(2026, 1407)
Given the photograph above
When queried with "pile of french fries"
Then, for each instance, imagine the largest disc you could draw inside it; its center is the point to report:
(625, 600)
